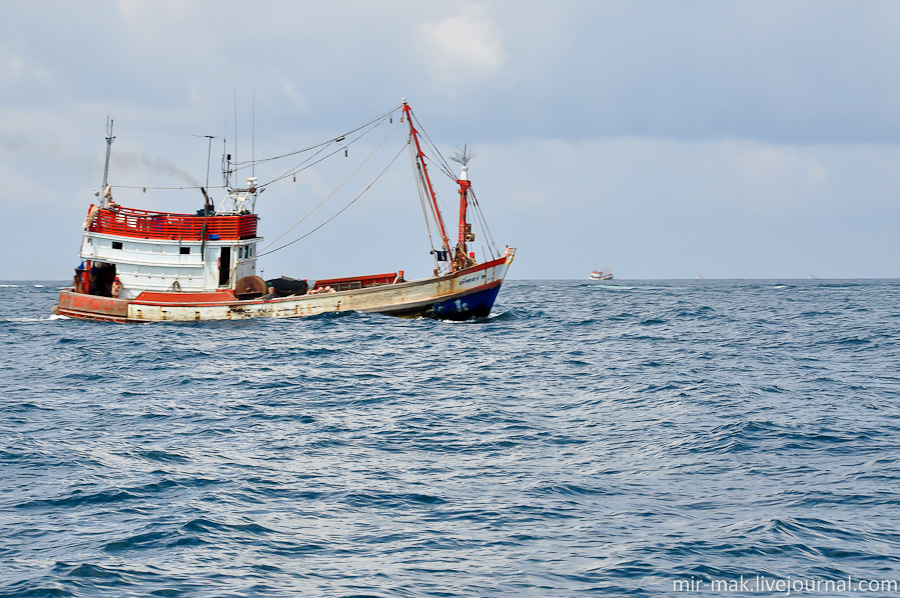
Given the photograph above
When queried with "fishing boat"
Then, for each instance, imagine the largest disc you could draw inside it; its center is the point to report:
(601, 274)
(142, 265)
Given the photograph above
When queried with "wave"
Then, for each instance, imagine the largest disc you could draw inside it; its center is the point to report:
(709, 429)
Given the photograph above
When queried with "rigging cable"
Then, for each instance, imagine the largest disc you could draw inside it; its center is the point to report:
(165, 188)
(330, 195)
(421, 178)
(422, 186)
(482, 223)
(298, 168)
(320, 144)
(241, 165)
(442, 164)
(353, 201)
(423, 202)
(445, 167)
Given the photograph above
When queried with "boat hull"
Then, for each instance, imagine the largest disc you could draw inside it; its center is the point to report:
(463, 295)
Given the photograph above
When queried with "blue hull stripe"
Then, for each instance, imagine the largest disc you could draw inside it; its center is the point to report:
(476, 305)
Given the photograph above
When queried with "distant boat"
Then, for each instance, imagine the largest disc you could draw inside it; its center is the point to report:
(601, 274)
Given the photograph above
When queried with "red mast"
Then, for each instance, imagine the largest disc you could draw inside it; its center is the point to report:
(464, 185)
(420, 158)
(463, 259)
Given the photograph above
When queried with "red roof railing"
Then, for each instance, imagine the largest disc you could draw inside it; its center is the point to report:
(143, 224)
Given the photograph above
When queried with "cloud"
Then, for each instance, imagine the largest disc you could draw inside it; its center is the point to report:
(462, 47)
(288, 88)
(15, 70)
(137, 12)
(771, 166)
(30, 157)
(11, 66)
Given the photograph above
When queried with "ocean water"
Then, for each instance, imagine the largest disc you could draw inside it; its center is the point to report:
(589, 438)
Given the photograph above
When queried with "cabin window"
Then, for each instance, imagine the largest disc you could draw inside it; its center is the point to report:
(185, 250)
(117, 244)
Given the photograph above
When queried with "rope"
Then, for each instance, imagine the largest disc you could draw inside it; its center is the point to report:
(237, 166)
(482, 223)
(338, 188)
(306, 149)
(477, 213)
(394, 159)
(166, 188)
(442, 164)
(298, 168)
(423, 202)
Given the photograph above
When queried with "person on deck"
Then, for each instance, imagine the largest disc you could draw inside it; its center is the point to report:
(116, 288)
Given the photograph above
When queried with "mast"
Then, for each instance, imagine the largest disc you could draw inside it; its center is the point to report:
(109, 139)
(420, 159)
(462, 259)
(464, 185)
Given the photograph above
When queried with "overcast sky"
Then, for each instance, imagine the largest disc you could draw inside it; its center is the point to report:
(666, 139)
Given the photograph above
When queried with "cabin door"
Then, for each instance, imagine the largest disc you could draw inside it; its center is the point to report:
(225, 266)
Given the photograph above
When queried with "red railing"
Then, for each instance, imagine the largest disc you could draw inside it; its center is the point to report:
(359, 282)
(143, 224)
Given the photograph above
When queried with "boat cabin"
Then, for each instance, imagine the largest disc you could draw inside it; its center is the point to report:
(162, 251)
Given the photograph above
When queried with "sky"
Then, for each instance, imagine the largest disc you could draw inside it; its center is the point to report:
(665, 139)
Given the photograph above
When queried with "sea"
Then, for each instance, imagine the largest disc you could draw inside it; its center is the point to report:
(621, 438)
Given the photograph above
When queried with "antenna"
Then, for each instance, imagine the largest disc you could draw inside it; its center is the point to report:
(235, 133)
(109, 140)
(463, 156)
(208, 155)
(226, 161)
(253, 137)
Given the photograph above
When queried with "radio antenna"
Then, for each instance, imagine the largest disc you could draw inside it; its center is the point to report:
(109, 140)
(208, 155)
(463, 156)
(235, 135)
(253, 137)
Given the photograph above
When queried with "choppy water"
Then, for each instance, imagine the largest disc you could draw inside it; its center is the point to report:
(588, 438)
